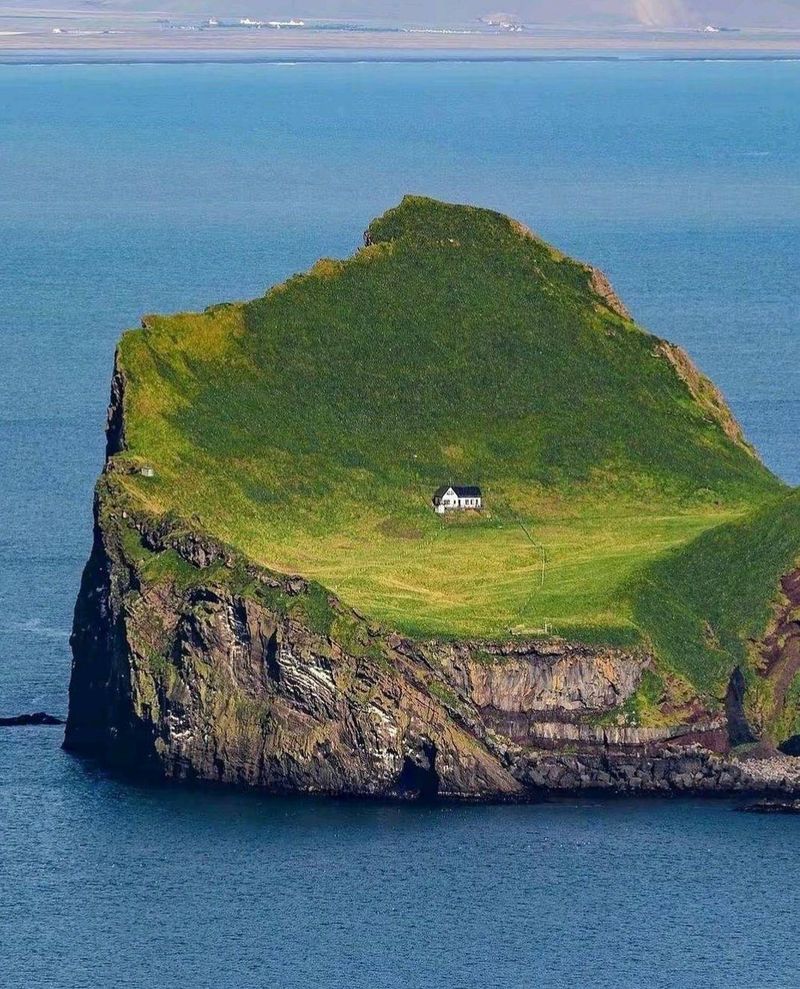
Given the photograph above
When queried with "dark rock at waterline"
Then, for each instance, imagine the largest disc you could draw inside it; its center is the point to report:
(773, 807)
(37, 718)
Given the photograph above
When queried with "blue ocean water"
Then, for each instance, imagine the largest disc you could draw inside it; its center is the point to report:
(133, 188)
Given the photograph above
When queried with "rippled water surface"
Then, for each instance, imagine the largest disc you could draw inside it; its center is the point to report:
(128, 189)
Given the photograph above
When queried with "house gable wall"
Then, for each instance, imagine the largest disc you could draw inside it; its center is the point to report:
(450, 500)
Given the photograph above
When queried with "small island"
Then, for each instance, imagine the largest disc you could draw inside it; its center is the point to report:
(271, 601)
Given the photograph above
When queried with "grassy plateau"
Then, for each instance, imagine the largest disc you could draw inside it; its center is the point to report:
(310, 427)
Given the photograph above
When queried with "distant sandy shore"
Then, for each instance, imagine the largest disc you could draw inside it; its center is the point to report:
(32, 40)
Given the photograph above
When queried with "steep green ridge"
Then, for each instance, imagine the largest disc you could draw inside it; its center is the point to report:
(706, 602)
(310, 427)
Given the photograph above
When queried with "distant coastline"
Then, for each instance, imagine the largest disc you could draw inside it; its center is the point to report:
(134, 39)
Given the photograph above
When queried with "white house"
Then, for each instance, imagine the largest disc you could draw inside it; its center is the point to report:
(450, 498)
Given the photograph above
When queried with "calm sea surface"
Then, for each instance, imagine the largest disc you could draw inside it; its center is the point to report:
(129, 189)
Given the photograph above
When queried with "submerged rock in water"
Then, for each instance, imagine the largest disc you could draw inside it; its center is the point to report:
(773, 807)
(37, 718)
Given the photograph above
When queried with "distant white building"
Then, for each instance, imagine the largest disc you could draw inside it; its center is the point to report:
(454, 498)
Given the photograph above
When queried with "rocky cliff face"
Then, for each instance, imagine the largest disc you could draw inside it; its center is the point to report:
(191, 664)
(194, 677)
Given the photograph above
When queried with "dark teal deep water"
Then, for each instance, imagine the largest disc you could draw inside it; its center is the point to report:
(127, 189)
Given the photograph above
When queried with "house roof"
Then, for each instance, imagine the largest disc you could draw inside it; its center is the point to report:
(463, 491)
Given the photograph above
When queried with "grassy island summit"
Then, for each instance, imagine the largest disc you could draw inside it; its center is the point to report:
(620, 540)
(310, 427)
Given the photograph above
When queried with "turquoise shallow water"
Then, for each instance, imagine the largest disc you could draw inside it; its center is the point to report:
(127, 189)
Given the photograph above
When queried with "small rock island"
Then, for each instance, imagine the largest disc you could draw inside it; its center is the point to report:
(270, 600)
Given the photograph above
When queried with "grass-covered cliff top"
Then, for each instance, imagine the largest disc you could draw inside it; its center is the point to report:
(311, 426)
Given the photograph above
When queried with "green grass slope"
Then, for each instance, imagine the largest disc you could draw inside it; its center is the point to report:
(705, 603)
(310, 427)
